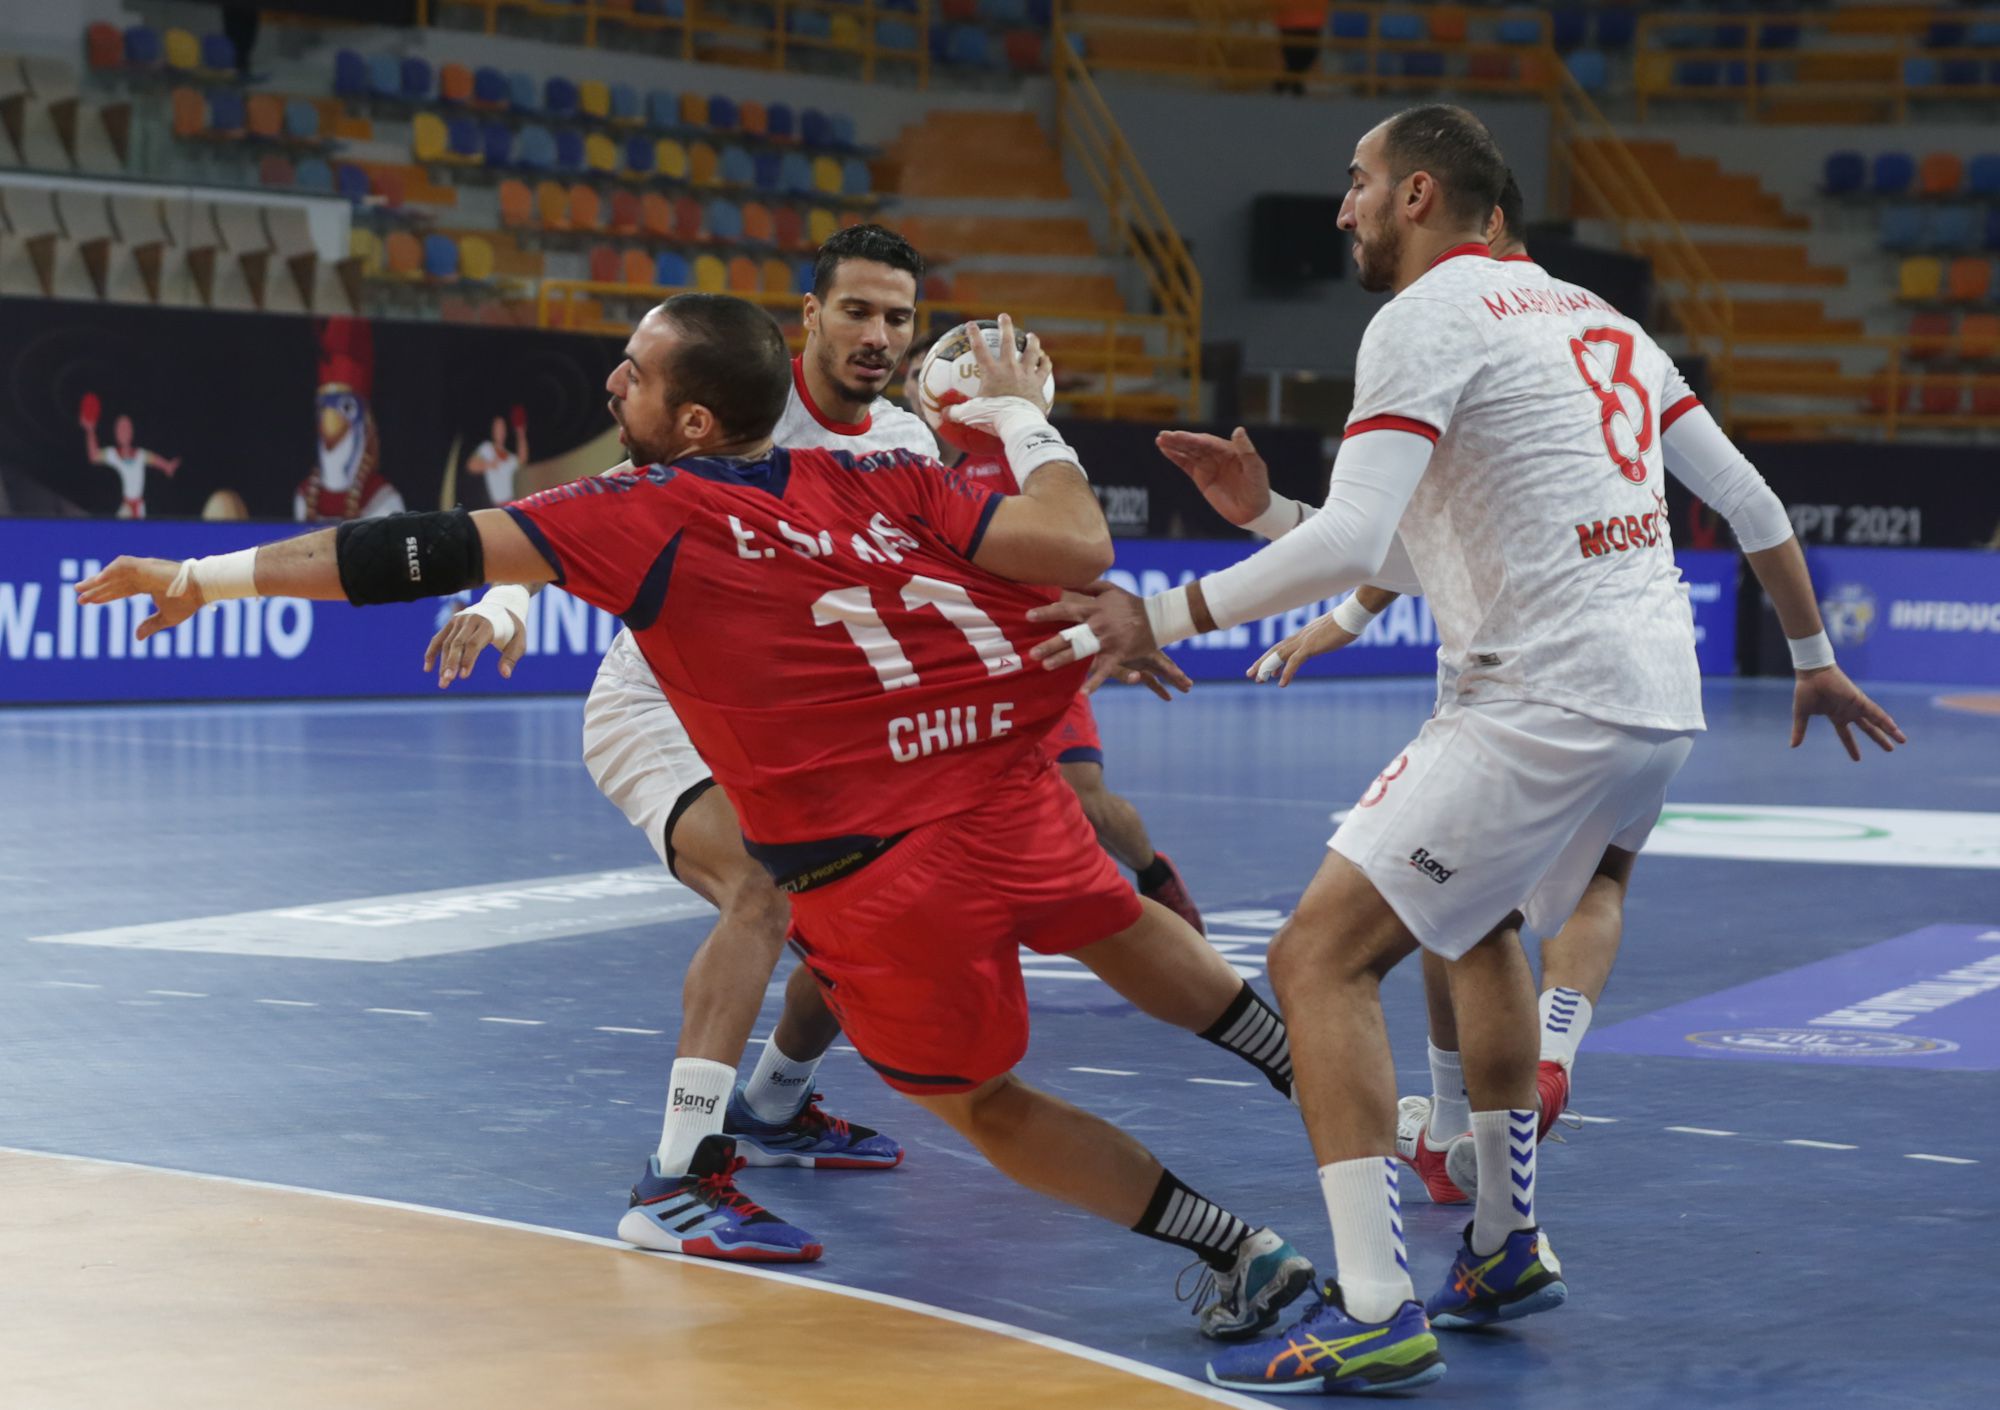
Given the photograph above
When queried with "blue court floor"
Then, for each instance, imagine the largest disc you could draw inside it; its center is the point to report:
(1777, 1219)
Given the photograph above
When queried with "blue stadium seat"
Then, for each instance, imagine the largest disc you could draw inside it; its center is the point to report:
(385, 76)
(818, 24)
(416, 79)
(964, 47)
(1519, 30)
(781, 122)
(490, 86)
(1041, 13)
(1944, 36)
(722, 112)
(1615, 27)
(217, 53)
(1590, 69)
(536, 149)
(723, 219)
(663, 109)
(1920, 73)
(1349, 24)
(463, 137)
(440, 257)
(1992, 241)
(351, 181)
(1901, 228)
(802, 276)
(795, 176)
(1844, 174)
(1952, 228)
(671, 269)
(639, 155)
(625, 105)
(909, 7)
(225, 110)
(737, 167)
(670, 9)
(1982, 175)
(559, 97)
(1697, 73)
(524, 95)
(1423, 63)
(816, 131)
(1736, 74)
(1567, 28)
(569, 151)
(142, 47)
(1731, 36)
(765, 166)
(1403, 27)
(843, 133)
(350, 74)
(899, 36)
(496, 143)
(1778, 36)
(314, 176)
(1005, 13)
(1892, 173)
(301, 120)
(854, 177)
(1961, 73)
(1984, 35)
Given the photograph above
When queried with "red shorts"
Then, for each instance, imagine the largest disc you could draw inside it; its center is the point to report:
(918, 953)
(1074, 739)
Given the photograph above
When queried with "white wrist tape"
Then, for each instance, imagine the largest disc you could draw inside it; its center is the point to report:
(1024, 430)
(1351, 617)
(501, 606)
(221, 576)
(1170, 617)
(1284, 515)
(1811, 653)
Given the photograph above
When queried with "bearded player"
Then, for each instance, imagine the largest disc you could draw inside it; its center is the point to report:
(843, 637)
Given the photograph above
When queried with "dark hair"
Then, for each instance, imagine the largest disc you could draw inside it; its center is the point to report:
(1456, 149)
(874, 243)
(730, 357)
(1510, 208)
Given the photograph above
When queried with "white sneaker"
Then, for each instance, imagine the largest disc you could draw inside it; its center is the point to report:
(1413, 1148)
(1267, 1275)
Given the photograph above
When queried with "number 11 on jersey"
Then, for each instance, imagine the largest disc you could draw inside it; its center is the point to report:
(853, 609)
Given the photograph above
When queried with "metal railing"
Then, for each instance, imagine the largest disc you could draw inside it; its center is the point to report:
(1892, 397)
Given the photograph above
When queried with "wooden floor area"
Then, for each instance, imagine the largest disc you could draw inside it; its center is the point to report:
(134, 1287)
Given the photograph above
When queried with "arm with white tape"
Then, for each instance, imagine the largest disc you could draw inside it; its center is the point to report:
(498, 619)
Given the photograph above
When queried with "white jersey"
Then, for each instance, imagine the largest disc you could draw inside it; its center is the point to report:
(131, 471)
(1539, 529)
(501, 465)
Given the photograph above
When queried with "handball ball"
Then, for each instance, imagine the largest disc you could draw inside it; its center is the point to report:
(950, 375)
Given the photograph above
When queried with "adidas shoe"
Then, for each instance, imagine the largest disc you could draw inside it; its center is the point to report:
(1173, 894)
(1461, 1158)
(1519, 1280)
(1327, 1352)
(703, 1213)
(1268, 1274)
(1414, 1149)
(811, 1139)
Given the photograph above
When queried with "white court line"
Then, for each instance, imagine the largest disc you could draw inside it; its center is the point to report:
(66, 984)
(1106, 1071)
(177, 993)
(402, 1013)
(923, 1309)
(637, 1032)
(1593, 1120)
(517, 1022)
(1698, 1131)
(1941, 1159)
(286, 1003)
(1220, 1082)
(1823, 1145)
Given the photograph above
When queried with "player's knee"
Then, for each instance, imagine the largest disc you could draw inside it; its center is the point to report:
(749, 899)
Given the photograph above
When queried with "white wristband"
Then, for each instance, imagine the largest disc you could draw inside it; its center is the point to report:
(222, 576)
(1023, 428)
(1283, 515)
(1811, 653)
(1351, 616)
(501, 606)
(1170, 617)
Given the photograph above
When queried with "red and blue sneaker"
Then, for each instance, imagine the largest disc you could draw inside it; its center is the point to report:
(1520, 1279)
(812, 1139)
(702, 1213)
(1327, 1352)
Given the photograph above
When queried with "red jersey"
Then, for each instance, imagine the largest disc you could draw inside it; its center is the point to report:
(816, 622)
(990, 471)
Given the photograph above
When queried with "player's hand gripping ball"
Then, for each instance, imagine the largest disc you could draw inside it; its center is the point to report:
(950, 375)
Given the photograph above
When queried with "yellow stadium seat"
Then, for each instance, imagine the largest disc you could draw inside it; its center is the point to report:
(846, 31)
(600, 153)
(475, 258)
(183, 50)
(552, 205)
(364, 245)
(1920, 278)
(704, 166)
(428, 139)
(711, 275)
(826, 175)
(670, 158)
(593, 95)
(821, 224)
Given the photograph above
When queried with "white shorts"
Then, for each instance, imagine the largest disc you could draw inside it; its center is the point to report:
(635, 746)
(1502, 807)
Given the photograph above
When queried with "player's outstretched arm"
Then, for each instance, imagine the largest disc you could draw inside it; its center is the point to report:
(1342, 626)
(394, 558)
(499, 619)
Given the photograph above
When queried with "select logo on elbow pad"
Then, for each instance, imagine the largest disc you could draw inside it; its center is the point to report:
(412, 559)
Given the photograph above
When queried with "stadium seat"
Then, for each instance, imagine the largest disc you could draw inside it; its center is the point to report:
(404, 254)
(811, 24)
(1590, 69)
(496, 143)
(1982, 175)
(475, 258)
(552, 206)
(802, 275)
(900, 36)
(964, 47)
(600, 154)
(183, 51)
(759, 227)
(625, 104)
(491, 88)
(635, 267)
(385, 76)
(845, 32)
(1844, 174)
(523, 96)
(1777, 36)
(766, 167)
(722, 113)
(1940, 174)
(351, 181)
(841, 132)
(604, 264)
(795, 174)
(429, 141)
(694, 110)
(350, 74)
(780, 122)
(1901, 228)
(687, 218)
(1969, 279)
(1568, 28)
(1002, 13)
(1518, 30)
(103, 47)
(1348, 24)
(1697, 73)
(1952, 228)
(264, 117)
(463, 138)
(218, 54)
(711, 275)
(1919, 277)
(1448, 24)
(663, 9)
(569, 151)
(752, 117)
(815, 129)
(1986, 399)
(738, 168)
(662, 109)
(275, 170)
(365, 245)
(535, 149)
(821, 225)
(656, 215)
(624, 217)
(704, 165)
(225, 113)
(1992, 240)
(723, 219)
(559, 97)
(776, 276)
(639, 156)
(143, 49)
(301, 120)
(1920, 73)
(855, 179)
(1961, 73)
(1489, 64)
(1930, 336)
(315, 176)
(388, 183)
(1402, 27)
(455, 83)
(670, 270)
(416, 87)
(593, 98)
(791, 227)
(1944, 35)
(1892, 173)
(744, 276)
(670, 159)
(1422, 63)
(517, 204)
(826, 176)
(1940, 398)
(1027, 50)
(1979, 337)
(586, 209)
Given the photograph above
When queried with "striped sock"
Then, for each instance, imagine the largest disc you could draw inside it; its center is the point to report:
(1251, 1029)
(1177, 1215)
(1565, 1019)
(1367, 1216)
(1504, 1142)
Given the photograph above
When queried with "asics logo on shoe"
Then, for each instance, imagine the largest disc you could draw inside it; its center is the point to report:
(1424, 862)
(684, 1100)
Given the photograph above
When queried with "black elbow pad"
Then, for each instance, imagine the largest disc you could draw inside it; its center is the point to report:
(407, 557)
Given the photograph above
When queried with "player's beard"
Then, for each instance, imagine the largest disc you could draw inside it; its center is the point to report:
(832, 365)
(1376, 257)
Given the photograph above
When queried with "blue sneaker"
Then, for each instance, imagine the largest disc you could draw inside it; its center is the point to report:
(1327, 1352)
(1243, 1300)
(1523, 1278)
(811, 1139)
(703, 1213)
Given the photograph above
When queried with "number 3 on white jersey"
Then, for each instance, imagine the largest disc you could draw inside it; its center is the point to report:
(1631, 463)
(852, 608)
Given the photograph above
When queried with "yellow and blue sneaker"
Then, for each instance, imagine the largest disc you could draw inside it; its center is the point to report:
(702, 1213)
(1327, 1352)
(1519, 1280)
(811, 1138)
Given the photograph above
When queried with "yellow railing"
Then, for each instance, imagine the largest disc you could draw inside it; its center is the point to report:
(710, 34)
(1140, 225)
(1098, 355)
(1891, 397)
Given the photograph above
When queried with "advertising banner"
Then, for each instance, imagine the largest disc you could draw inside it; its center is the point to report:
(1925, 615)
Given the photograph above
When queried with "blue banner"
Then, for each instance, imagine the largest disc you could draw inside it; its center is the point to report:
(1911, 614)
(52, 650)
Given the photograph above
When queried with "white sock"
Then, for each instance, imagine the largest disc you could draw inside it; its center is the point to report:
(1565, 1019)
(780, 1085)
(697, 1096)
(1367, 1217)
(1504, 1142)
(1451, 1112)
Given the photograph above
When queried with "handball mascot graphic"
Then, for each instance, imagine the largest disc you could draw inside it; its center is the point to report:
(124, 456)
(346, 480)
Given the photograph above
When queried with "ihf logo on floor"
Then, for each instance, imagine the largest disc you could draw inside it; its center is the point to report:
(42, 621)
(1819, 1043)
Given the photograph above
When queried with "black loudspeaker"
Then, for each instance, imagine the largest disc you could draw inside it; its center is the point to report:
(1295, 240)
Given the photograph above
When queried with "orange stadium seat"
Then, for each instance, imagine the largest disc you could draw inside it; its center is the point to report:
(264, 115)
(704, 166)
(603, 264)
(404, 254)
(759, 227)
(455, 83)
(656, 215)
(1979, 337)
(1941, 174)
(190, 113)
(1969, 279)
(694, 110)
(552, 205)
(687, 218)
(744, 277)
(753, 117)
(586, 210)
(711, 275)
(777, 276)
(636, 267)
(517, 203)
